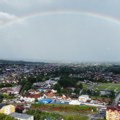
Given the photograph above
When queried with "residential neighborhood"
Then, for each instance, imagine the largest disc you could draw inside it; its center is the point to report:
(54, 84)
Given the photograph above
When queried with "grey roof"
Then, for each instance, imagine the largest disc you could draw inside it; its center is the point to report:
(20, 115)
(2, 105)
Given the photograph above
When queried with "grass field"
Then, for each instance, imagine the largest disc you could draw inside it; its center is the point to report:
(75, 117)
(108, 86)
(105, 86)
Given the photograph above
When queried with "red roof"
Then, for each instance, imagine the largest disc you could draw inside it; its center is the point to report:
(34, 96)
(113, 108)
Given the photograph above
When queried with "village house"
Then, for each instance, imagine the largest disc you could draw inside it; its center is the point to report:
(113, 113)
(7, 109)
(105, 92)
(84, 98)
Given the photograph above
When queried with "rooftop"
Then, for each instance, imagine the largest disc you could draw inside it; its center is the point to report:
(2, 105)
(113, 108)
(20, 115)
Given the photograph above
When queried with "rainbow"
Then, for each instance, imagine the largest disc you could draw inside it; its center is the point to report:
(73, 12)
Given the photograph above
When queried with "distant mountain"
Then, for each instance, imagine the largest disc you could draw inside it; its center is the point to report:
(19, 62)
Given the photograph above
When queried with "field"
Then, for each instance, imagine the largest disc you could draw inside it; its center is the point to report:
(75, 117)
(65, 108)
(105, 86)
(68, 112)
(108, 86)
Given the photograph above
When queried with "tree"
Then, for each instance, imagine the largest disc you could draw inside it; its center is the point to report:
(67, 82)
(1, 98)
(80, 86)
(23, 81)
(112, 95)
(89, 92)
(77, 91)
(57, 87)
(38, 115)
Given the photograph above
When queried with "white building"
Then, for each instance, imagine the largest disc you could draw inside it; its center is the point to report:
(74, 102)
(28, 99)
(84, 98)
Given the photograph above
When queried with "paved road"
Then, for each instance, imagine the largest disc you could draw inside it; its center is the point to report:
(115, 102)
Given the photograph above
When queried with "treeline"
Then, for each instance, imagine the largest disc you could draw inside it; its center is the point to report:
(19, 62)
(114, 69)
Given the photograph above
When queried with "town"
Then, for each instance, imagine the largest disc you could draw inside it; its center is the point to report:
(56, 91)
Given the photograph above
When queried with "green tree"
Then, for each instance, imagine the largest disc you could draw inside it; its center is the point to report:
(76, 91)
(57, 87)
(67, 82)
(89, 92)
(38, 115)
(80, 86)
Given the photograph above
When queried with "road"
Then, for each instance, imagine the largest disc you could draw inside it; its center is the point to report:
(115, 102)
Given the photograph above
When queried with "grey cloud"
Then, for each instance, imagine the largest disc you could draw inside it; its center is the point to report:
(6, 18)
(23, 7)
(18, 4)
(61, 37)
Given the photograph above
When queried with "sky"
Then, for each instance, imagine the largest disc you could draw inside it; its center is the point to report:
(60, 30)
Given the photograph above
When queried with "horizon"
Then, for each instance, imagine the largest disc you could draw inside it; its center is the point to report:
(58, 62)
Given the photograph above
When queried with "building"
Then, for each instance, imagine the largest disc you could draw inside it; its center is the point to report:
(7, 109)
(84, 98)
(105, 92)
(20, 116)
(45, 101)
(74, 102)
(113, 113)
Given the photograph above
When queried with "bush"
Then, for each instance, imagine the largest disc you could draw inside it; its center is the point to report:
(75, 117)
(6, 117)
(38, 115)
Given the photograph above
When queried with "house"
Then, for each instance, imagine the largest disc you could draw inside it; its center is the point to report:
(20, 116)
(28, 99)
(11, 90)
(105, 92)
(49, 95)
(39, 84)
(19, 108)
(74, 102)
(7, 109)
(45, 101)
(84, 98)
(113, 113)
(51, 82)
(31, 91)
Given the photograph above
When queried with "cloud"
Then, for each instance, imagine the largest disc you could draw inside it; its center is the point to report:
(15, 3)
(25, 3)
(6, 18)
(61, 38)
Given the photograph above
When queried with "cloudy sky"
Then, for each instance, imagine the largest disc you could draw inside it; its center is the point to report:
(60, 30)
